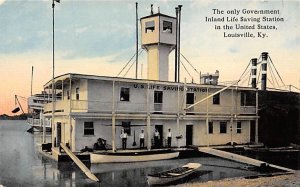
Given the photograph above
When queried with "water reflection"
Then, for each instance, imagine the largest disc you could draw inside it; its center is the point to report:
(24, 167)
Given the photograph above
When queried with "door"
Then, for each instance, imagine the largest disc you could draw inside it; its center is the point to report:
(189, 135)
(58, 134)
(252, 131)
(160, 130)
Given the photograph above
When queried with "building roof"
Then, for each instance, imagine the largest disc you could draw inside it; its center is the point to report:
(72, 76)
(158, 14)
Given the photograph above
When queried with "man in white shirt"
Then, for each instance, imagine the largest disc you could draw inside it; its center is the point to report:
(169, 135)
(156, 138)
(123, 136)
(142, 139)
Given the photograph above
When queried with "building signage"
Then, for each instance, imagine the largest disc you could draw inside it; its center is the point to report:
(169, 88)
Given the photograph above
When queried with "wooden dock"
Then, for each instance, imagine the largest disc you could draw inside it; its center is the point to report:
(240, 158)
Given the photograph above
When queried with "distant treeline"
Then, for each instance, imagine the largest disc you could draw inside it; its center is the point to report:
(16, 117)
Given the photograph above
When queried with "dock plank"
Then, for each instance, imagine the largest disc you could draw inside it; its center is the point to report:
(240, 158)
(86, 171)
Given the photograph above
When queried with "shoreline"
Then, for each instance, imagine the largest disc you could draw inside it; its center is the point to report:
(291, 180)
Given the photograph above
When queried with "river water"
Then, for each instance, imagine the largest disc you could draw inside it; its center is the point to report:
(21, 165)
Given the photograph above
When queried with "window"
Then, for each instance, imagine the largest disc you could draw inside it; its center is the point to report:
(210, 127)
(68, 95)
(149, 26)
(216, 99)
(189, 98)
(77, 93)
(209, 80)
(223, 127)
(158, 97)
(88, 128)
(167, 26)
(124, 95)
(126, 127)
(238, 127)
(248, 98)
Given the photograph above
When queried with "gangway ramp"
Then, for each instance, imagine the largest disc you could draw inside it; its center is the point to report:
(86, 171)
(240, 158)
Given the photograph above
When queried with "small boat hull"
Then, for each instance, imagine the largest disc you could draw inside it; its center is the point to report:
(137, 156)
(173, 175)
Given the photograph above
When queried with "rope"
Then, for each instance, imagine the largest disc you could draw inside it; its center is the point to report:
(132, 64)
(128, 63)
(271, 82)
(295, 87)
(245, 70)
(186, 69)
(245, 74)
(190, 63)
(273, 75)
(276, 70)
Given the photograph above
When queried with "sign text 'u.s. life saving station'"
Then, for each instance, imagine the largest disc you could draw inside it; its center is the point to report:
(169, 88)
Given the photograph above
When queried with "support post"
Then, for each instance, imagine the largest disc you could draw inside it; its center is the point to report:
(113, 119)
(176, 49)
(178, 116)
(70, 119)
(31, 81)
(256, 120)
(178, 55)
(206, 121)
(231, 118)
(148, 121)
(137, 38)
(42, 120)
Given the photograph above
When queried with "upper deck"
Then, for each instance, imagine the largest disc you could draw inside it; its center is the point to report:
(78, 93)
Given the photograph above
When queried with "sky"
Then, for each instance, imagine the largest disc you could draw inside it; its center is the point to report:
(98, 37)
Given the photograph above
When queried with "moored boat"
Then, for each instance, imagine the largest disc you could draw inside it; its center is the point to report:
(36, 106)
(172, 175)
(132, 156)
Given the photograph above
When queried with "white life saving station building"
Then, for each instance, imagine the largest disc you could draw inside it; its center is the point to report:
(88, 107)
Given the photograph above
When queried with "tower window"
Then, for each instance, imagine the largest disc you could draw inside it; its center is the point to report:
(167, 26)
(216, 99)
(124, 95)
(158, 97)
(149, 26)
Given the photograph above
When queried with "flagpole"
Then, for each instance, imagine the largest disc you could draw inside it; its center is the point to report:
(53, 68)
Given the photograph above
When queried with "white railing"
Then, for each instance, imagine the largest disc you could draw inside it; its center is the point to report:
(61, 106)
(129, 107)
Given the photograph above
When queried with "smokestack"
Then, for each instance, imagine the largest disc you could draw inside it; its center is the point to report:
(178, 43)
(176, 51)
(151, 9)
(253, 72)
(264, 57)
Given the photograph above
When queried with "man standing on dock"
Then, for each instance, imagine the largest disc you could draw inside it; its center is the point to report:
(169, 138)
(123, 136)
(142, 139)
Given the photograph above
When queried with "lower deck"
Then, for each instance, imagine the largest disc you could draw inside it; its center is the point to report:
(83, 131)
